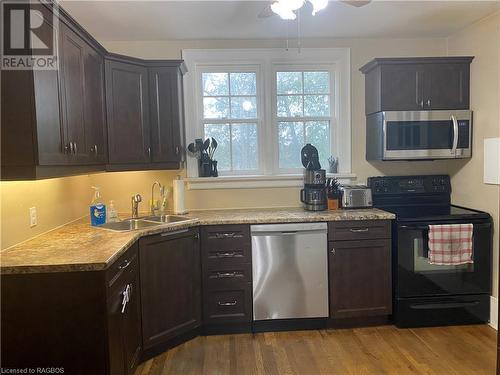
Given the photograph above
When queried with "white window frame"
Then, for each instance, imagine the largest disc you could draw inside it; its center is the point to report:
(247, 68)
(265, 61)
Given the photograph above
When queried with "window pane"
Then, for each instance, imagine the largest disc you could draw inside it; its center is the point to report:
(243, 107)
(318, 134)
(243, 83)
(289, 106)
(316, 105)
(215, 84)
(289, 82)
(221, 133)
(215, 107)
(316, 82)
(291, 141)
(244, 146)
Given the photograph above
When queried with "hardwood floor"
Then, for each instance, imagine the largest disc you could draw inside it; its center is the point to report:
(377, 350)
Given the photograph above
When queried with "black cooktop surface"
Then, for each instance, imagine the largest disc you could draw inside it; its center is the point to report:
(435, 213)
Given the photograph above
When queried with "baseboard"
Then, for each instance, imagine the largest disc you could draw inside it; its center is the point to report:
(494, 312)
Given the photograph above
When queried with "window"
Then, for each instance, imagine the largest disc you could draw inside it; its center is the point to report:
(230, 115)
(263, 105)
(302, 115)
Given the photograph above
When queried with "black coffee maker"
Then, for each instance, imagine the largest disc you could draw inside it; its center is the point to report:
(313, 195)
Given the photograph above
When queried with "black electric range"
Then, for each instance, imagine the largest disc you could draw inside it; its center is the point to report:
(426, 294)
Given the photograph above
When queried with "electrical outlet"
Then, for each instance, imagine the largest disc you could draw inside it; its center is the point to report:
(33, 217)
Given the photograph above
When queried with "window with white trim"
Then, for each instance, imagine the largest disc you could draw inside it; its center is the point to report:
(263, 105)
(303, 115)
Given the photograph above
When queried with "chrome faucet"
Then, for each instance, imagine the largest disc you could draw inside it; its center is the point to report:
(153, 204)
(136, 199)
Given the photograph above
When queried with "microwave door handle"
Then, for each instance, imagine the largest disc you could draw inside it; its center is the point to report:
(455, 135)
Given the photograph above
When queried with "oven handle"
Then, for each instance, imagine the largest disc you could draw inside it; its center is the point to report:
(447, 305)
(426, 227)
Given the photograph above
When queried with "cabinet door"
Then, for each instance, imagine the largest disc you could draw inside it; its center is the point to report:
(128, 113)
(446, 86)
(360, 278)
(115, 330)
(95, 116)
(72, 58)
(170, 286)
(166, 114)
(401, 87)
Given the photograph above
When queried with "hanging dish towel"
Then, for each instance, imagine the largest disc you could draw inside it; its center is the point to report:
(450, 244)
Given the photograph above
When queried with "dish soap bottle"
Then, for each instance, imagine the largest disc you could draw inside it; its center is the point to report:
(112, 213)
(97, 209)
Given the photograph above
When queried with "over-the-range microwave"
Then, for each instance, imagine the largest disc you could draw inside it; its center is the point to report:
(419, 135)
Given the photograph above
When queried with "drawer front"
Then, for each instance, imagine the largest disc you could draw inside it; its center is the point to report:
(359, 230)
(123, 263)
(226, 245)
(227, 277)
(227, 306)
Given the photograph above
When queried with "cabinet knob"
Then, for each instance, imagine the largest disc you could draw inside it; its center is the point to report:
(333, 251)
(68, 149)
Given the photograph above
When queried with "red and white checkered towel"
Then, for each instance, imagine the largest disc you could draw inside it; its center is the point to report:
(450, 244)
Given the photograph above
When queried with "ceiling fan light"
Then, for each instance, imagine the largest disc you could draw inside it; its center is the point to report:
(282, 10)
(292, 4)
(318, 5)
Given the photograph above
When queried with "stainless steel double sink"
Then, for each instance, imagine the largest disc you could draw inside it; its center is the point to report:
(143, 222)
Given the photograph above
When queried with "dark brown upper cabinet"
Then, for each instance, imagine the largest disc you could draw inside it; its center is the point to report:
(127, 100)
(145, 113)
(170, 287)
(51, 119)
(417, 84)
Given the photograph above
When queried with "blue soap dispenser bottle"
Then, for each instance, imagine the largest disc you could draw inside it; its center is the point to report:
(97, 209)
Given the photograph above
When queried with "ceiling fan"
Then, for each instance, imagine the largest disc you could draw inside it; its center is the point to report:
(285, 8)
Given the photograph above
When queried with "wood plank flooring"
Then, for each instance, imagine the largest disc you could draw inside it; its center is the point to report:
(376, 350)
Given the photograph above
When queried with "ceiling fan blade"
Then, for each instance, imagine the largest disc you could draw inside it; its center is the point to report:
(266, 12)
(356, 3)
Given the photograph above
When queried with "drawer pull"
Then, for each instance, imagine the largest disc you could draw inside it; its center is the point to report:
(220, 236)
(222, 275)
(227, 255)
(363, 230)
(125, 264)
(227, 303)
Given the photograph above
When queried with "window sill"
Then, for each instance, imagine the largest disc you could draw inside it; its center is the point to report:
(252, 182)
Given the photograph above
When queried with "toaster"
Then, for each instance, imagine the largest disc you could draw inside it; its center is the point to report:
(356, 196)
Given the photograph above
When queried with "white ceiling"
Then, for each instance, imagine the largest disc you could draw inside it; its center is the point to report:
(171, 20)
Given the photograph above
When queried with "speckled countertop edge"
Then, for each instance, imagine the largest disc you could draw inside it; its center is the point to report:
(60, 250)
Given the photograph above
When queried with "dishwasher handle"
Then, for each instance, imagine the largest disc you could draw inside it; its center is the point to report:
(292, 228)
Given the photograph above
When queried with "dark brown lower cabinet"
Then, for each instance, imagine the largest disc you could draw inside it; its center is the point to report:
(170, 287)
(74, 321)
(360, 278)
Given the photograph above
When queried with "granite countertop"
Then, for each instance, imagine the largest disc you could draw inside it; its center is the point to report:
(79, 247)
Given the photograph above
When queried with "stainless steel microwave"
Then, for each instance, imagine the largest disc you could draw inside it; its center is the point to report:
(419, 135)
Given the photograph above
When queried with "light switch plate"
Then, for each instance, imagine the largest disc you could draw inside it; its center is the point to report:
(33, 217)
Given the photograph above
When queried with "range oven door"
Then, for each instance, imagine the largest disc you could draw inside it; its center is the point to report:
(416, 277)
(427, 135)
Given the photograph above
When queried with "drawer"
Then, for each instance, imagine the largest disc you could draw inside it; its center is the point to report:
(126, 261)
(228, 306)
(225, 236)
(227, 277)
(359, 230)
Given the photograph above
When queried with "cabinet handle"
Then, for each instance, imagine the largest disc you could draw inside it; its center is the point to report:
(222, 275)
(94, 149)
(226, 255)
(75, 149)
(428, 103)
(333, 251)
(363, 230)
(422, 104)
(227, 303)
(149, 152)
(227, 235)
(196, 236)
(126, 297)
(125, 264)
(177, 150)
(68, 149)
(166, 234)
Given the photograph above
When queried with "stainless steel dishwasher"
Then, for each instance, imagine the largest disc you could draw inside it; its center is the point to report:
(290, 271)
